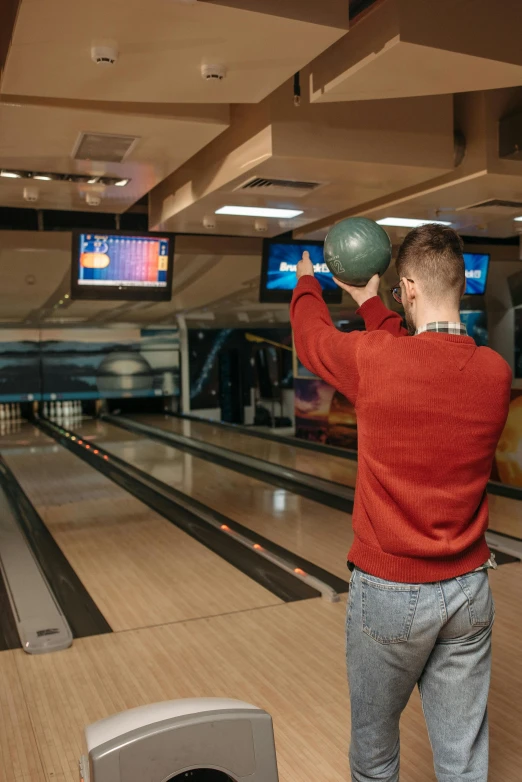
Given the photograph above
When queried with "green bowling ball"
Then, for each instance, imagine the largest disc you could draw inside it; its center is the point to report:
(356, 249)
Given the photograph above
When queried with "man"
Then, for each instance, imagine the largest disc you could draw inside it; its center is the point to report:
(430, 410)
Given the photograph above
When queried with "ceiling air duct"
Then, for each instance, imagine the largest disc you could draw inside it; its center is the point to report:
(510, 136)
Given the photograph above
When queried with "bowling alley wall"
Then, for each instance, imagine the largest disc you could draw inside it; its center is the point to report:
(88, 364)
(264, 376)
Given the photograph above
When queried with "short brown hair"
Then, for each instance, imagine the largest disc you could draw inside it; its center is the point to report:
(432, 255)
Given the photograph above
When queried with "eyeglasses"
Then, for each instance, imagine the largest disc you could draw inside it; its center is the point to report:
(397, 293)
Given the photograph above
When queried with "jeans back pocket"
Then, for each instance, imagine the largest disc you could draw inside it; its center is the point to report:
(388, 609)
(480, 599)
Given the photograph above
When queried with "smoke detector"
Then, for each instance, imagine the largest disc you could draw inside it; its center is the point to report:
(30, 194)
(261, 226)
(104, 53)
(213, 72)
(92, 199)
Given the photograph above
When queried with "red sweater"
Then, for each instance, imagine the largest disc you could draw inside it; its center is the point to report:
(430, 410)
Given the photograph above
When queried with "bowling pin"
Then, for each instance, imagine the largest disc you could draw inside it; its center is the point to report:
(2, 413)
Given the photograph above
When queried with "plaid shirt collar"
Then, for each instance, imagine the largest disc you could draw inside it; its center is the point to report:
(444, 327)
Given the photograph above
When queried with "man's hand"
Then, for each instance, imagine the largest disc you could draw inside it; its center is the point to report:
(360, 295)
(305, 266)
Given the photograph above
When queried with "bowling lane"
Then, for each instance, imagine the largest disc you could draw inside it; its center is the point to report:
(315, 532)
(139, 569)
(505, 513)
(331, 468)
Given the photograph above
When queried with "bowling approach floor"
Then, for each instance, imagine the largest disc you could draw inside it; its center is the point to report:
(187, 624)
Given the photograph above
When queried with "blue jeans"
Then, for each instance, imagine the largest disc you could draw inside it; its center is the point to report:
(437, 636)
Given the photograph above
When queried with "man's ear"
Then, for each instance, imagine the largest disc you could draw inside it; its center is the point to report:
(410, 289)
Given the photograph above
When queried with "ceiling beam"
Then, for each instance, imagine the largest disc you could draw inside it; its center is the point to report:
(8, 14)
(331, 13)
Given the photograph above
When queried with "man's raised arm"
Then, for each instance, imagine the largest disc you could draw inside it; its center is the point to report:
(324, 350)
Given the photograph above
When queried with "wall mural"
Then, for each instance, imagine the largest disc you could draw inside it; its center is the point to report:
(205, 347)
(88, 364)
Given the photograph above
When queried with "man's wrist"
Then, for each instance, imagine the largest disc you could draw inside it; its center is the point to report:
(363, 298)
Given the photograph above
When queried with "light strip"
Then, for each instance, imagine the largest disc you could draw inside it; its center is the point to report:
(10, 175)
(518, 219)
(407, 222)
(255, 211)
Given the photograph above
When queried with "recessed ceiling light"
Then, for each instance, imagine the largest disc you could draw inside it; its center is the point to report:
(10, 175)
(43, 177)
(122, 182)
(255, 211)
(406, 222)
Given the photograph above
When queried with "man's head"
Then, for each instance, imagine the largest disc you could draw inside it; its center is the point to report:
(430, 266)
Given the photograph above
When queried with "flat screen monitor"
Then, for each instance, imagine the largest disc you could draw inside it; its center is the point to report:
(477, 265)
(278, 278)
(122, 266)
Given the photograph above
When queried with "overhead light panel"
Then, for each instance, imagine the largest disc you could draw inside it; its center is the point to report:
(255, 211)
(518, 219)
(407, 222)
(54, 176)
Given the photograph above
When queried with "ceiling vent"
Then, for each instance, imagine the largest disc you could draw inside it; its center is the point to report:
(103, 147)
(493, 205)
(279, 187)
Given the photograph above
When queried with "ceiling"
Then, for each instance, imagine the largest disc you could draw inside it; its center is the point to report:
(400, 107)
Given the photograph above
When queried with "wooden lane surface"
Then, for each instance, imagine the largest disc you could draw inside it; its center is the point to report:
(505, 514)
(19, 757)
(288, 659)
(315, 532)
(139, 569)
(331, 468)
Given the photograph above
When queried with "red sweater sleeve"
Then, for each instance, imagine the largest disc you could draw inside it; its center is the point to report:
(377, 316)
(323, 349)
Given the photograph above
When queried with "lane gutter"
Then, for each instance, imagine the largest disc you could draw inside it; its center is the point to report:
(79, 609)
